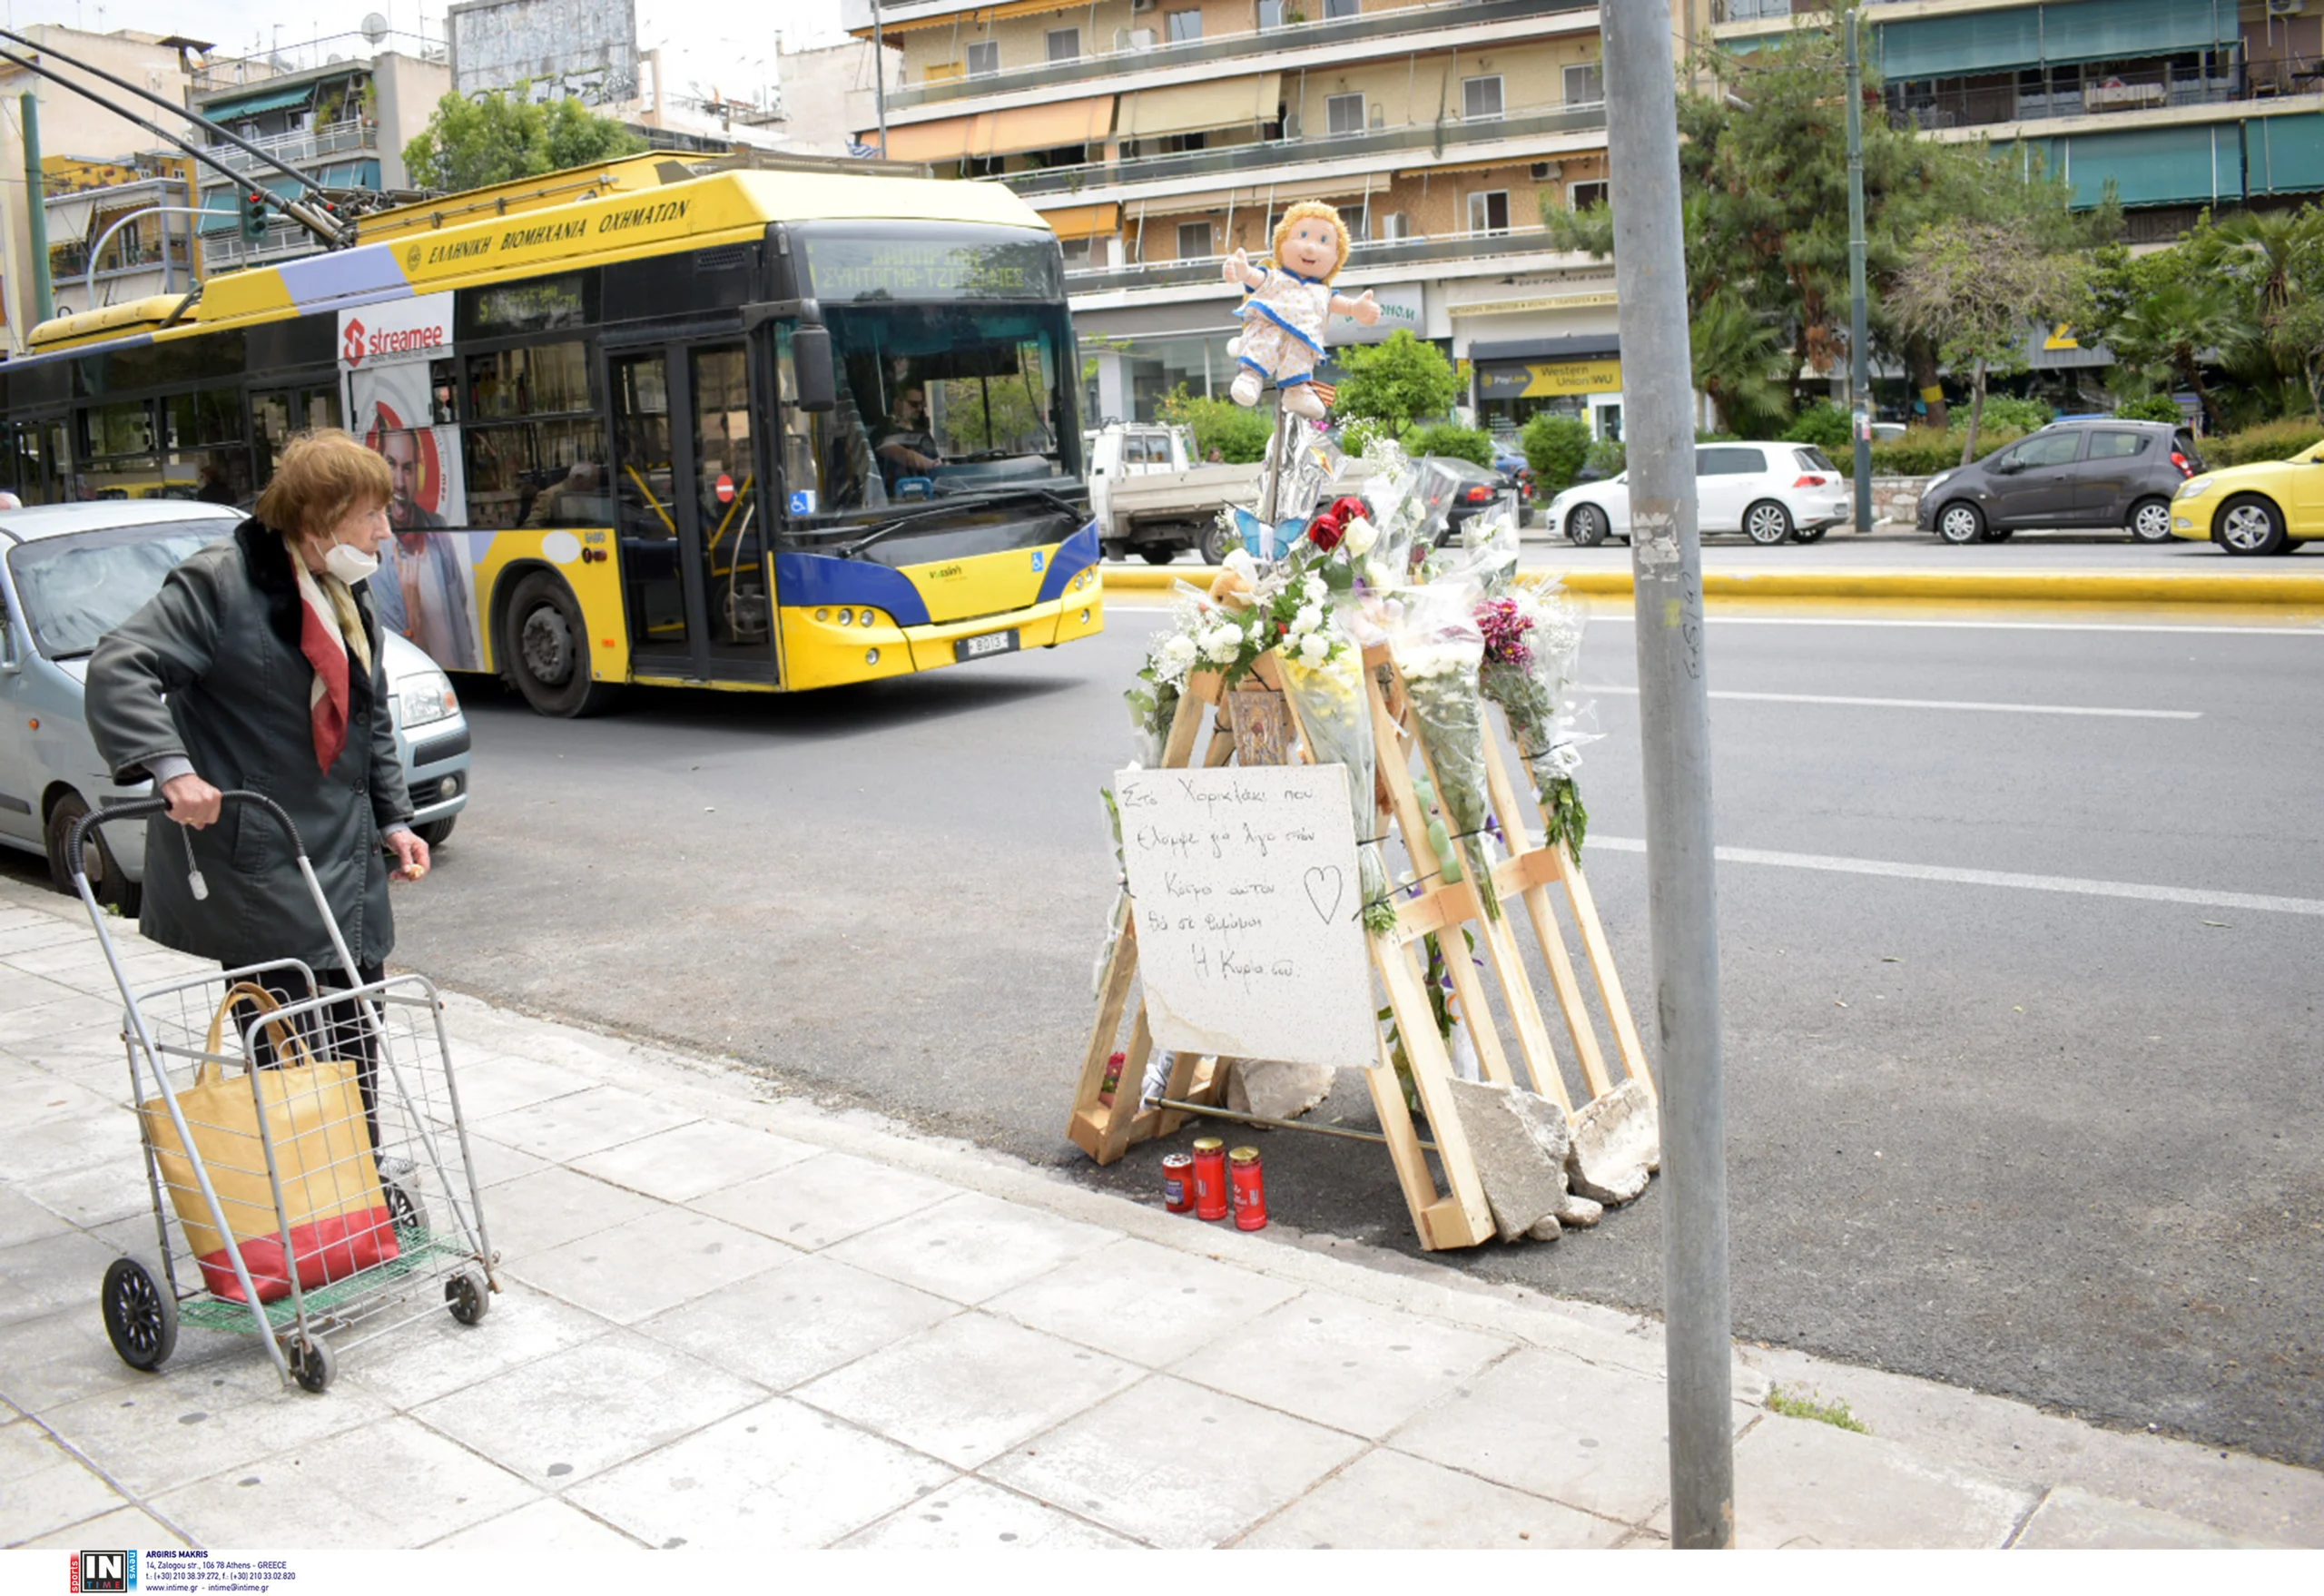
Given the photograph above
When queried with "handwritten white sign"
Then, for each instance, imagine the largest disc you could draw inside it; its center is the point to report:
(1250, 941)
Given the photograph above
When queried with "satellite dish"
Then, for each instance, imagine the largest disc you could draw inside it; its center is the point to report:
(375, 28)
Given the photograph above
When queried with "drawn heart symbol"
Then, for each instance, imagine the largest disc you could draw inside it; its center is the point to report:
(1326, 885)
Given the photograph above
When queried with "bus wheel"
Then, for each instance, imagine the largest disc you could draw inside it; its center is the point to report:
(547, 646)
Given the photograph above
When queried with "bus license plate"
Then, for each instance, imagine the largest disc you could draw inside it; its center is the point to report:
(991, 643)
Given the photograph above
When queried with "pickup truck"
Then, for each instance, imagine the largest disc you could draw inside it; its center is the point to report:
(1148, 494)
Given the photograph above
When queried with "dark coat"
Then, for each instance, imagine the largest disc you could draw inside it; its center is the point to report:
(210, 670)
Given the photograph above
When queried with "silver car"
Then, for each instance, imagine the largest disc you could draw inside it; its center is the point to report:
(71, 573)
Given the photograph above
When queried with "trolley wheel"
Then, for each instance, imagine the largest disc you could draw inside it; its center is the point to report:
(469, 1298)
(310, 1362)
(140, 1316)
(409, 1214)
(111, 888)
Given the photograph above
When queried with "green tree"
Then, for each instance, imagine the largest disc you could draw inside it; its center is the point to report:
(1460, 443)
(1972, 288)
(500, 135)
(1739, 360)
(1555, 448)
(1399, 381)
(1239, 432)
(2166, 322)
(1764, 176)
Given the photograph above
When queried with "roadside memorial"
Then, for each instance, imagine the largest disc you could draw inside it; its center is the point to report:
(1319, 804)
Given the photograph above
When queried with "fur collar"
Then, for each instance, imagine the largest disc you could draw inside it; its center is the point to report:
(269, 563)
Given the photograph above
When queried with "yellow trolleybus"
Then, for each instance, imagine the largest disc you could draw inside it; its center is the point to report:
(648, 422)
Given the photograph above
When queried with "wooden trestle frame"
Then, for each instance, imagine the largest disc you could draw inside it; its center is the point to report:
(1452, 1213)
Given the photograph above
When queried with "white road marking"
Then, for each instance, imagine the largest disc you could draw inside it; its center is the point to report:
(2148, 714)
(1992, 878)
(2316, 630)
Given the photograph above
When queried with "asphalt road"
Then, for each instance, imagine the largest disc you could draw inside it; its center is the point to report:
(2059, 1144)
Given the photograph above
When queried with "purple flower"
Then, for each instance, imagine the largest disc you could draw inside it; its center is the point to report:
(1505, 626)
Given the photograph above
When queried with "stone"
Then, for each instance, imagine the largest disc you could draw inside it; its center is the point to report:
(1275, 1090)
(1580, 1212)
(1523, 1181)
(1617, 1143)
(1545, 1228)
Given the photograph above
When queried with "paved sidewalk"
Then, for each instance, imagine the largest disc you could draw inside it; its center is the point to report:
(734, 1318)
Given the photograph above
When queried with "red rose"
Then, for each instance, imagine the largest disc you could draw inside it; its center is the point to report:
(1325, 532)
(1350, 509)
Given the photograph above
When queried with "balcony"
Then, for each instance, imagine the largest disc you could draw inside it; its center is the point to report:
(2155, 88)
(218, 75)
(1365, 253)
(293, 148)
(72, 261)
(1094, 66)
(1436, 136)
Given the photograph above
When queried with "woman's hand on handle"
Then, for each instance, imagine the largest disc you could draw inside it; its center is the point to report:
(192, 801)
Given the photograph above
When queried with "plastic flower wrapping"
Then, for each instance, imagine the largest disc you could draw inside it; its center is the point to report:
(1439, 651)
(1329, 698)
(1532, 641)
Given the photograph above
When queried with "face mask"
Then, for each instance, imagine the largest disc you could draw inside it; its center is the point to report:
(350, 563)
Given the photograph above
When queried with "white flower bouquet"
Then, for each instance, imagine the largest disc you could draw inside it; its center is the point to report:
(1330, 699)
(1439, 652)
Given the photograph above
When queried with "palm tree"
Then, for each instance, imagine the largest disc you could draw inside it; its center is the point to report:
(1737, 355)
(2171, 331)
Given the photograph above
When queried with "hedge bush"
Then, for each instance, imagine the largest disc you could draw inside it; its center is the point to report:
(2015, 416)
(2270, 440)
(1555, 448)
(1466, 443)
(1823, 423)
(1924, 451)
(1609, 456)
(2154, 407)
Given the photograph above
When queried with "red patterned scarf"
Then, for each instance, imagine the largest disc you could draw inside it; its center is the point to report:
(330, 628)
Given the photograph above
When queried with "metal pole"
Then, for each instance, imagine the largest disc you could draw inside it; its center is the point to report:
(880, 76)
(1666, 558)
(37, 209)
(1859, 341)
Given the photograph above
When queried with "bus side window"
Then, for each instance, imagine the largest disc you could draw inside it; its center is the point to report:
(799, 472)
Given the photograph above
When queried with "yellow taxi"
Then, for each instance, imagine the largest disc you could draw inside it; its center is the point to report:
(2264, 508)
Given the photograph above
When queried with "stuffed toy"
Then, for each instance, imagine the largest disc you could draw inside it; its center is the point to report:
(1286, 305)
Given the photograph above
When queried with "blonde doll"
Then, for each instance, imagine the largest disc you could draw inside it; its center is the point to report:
(1283, 316)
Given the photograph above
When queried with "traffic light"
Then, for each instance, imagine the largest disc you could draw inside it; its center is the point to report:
(253, 210)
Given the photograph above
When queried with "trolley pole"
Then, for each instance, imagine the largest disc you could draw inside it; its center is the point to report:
(1666, 559)
(1859, 340)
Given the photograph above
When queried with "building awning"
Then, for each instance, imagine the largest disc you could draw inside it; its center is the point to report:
(1001, 132)
(1586, 347)
(1084, 220)
(1469, 168)
(2284, 154)
(975, 17)
(1149, 113)
(2145, 166)
(235, 110)
(1960, 44)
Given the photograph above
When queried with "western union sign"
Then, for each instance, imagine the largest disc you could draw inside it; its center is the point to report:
(1506, 380)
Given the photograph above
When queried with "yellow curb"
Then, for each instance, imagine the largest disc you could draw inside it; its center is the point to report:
(2004, 586)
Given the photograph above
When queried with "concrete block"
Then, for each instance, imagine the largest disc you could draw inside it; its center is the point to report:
(1617, 1143)
(1524, 1180)
(1275, 1090)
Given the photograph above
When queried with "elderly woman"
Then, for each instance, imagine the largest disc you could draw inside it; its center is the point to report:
(257, 665)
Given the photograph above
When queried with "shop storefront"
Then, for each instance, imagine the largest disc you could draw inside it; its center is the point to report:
(1514, 380)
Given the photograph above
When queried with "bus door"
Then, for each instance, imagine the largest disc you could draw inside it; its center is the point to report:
(692, 527)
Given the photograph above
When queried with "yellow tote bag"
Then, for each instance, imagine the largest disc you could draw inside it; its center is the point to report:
(333, 1207)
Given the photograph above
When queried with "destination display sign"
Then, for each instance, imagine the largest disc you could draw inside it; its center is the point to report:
(852, 270)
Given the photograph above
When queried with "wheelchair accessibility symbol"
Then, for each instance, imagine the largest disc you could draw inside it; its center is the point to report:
(1036, 560)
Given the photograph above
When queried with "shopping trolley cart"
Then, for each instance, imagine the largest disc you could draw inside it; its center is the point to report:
(307, 1160)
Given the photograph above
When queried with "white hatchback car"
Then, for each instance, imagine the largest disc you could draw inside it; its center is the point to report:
(1769, 492)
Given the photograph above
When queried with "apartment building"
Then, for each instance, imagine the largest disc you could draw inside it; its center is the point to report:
(1157, 136)
(119, 230)
(2179, 105)
(339, 110)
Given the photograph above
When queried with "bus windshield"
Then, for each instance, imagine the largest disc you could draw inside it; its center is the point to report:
(937, 401)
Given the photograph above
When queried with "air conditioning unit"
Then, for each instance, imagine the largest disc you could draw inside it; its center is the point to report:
(1141, 39)
(1144, 4)
(1548, 170)
(2286, 7)
(1394, 225)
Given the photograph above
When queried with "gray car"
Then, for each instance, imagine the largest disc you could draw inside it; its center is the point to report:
(71, 573)
(2071, 473)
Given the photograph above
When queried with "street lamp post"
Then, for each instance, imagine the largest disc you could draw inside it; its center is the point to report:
(1859, 354)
